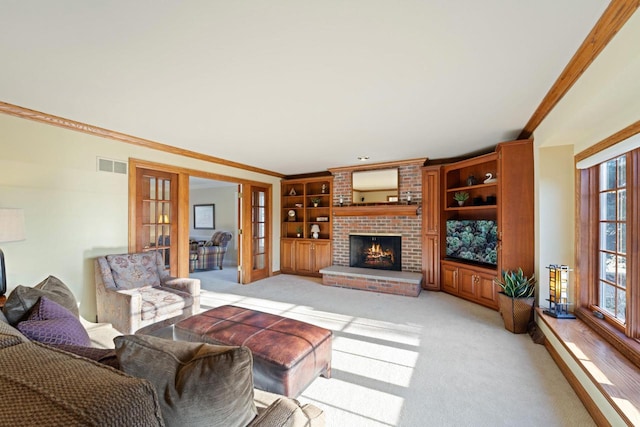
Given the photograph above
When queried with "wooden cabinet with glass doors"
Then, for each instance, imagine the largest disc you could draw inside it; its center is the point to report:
(306, 225)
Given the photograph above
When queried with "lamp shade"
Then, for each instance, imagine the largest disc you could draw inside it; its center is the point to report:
(315, 228)
(11, 225)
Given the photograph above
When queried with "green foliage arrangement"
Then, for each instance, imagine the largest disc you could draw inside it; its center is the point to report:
(461, 196)
(516, 284)
(315, 200)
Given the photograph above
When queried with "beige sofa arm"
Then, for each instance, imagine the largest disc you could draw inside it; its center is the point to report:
(275, 410)
(190, 286)
(100, 334)
(184, 284)
(122, 308)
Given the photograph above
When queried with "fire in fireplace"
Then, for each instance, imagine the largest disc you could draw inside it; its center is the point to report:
(380, 251)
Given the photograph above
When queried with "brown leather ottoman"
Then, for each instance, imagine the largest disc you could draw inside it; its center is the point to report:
(287, 354)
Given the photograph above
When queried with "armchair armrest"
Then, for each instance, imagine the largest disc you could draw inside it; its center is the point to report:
(101, 334)
(203, 250)
(188, 285)
(184, 284)
(276, 410)
(122, 308)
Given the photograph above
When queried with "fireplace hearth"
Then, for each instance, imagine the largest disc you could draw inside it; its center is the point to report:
(377, 251)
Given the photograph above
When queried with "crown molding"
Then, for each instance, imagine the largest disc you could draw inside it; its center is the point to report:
(612, 20)
(25, 113)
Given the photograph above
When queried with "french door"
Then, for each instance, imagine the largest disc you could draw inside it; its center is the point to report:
(256, 236)
(159, 214)
(156, 219)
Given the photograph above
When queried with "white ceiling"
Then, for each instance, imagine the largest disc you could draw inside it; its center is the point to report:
(294, 86)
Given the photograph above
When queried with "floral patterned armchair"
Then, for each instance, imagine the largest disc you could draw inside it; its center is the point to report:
(135, 293)
(211, 254)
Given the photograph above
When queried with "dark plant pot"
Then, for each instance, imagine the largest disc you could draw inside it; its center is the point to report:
(516, 313)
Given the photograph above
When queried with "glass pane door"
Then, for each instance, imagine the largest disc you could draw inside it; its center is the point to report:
(156, 219)
(256, 234)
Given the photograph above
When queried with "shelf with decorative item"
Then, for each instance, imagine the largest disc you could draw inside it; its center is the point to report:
(478, 195)
(477, 171)
(293, 215)
(472, 187)
(318, 188)
(293, 229)
(315, 202)
(292, 190)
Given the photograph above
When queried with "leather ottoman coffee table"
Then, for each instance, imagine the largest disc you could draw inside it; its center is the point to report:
(287, 354)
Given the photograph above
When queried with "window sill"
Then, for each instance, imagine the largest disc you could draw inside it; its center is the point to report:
(609, 371)
(630, 348)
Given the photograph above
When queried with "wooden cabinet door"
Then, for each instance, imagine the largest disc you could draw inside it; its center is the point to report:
(287, 256)
(515, 220)
(431, 198)
(487, 292)
(431, 228)
(322, 255)
(449, 277)
(467, 283)
(431, 262)
(304, 256)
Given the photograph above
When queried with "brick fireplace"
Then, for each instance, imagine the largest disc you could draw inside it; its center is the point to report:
(408, 226)
(401, 219)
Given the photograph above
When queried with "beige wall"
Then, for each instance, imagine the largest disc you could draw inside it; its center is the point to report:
(72, 212)
(554, 214)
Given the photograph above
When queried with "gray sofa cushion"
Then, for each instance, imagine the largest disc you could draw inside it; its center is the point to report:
(23, 298)
(198, 384)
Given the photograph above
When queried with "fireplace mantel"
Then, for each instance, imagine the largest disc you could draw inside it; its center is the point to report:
(376, 210)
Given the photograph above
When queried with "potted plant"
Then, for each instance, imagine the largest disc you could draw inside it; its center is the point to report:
(315, 201)
(299, 231)
(460, 197)
(516, 300)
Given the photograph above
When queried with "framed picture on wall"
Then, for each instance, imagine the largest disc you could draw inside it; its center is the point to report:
(204, 216)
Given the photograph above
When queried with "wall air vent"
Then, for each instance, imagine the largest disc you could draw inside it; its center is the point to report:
(114, 166)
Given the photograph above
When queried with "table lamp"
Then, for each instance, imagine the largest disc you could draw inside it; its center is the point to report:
(559, 292)
(315, 229)
(11, 230)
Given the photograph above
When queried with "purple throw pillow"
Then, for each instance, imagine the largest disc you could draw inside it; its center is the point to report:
(51, 323)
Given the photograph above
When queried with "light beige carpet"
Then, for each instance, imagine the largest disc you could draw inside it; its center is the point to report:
(435, 360)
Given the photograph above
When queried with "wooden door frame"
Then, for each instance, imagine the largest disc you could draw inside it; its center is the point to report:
(183, 209)
(247, 242)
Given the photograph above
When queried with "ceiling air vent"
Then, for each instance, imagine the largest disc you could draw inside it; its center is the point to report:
(114, 166)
